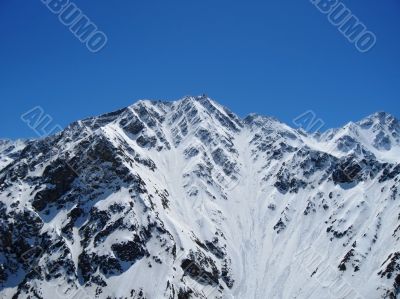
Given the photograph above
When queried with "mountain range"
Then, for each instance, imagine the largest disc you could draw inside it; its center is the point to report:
(185, 199)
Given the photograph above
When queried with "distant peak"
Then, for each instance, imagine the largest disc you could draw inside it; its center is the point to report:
(254, 118)
(203, 100)
(380, 118)
(381, 115)
(150, 103)
(196, 98)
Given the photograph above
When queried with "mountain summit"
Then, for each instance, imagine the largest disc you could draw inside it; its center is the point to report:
(185, 199)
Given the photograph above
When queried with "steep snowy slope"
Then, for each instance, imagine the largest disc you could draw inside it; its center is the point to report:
(186, 200)
(8, 150)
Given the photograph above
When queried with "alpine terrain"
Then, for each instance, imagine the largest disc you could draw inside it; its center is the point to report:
(185, 199)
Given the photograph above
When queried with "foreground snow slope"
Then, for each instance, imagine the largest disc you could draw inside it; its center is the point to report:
(186, 200)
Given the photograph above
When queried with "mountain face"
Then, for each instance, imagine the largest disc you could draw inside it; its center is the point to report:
(187, 200)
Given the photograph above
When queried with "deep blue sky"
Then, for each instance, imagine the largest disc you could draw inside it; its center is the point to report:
(274, 57)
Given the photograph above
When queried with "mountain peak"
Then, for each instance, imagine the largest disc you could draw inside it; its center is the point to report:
(378, 118)
(254, 118)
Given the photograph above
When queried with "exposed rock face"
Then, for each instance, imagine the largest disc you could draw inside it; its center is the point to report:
(187, 200)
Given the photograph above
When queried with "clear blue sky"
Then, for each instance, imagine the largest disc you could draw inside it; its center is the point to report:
(273, 57)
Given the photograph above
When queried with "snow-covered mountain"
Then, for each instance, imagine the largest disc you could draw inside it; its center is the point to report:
(187, 200)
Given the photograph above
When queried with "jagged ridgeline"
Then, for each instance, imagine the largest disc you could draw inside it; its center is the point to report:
(187, 200)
